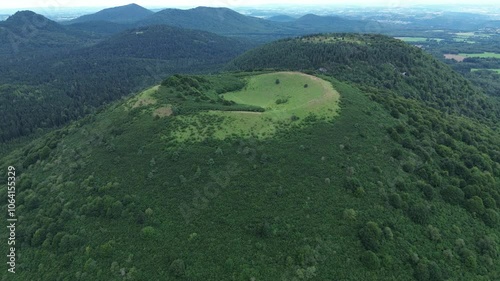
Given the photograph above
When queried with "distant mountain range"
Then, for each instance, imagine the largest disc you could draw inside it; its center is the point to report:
(217, 20)
(281, 18)
(123, 14)
(26, 31)
(222, 21)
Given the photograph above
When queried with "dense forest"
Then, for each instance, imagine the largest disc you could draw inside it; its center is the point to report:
(401, 185)
(50, 90)
(380, 62)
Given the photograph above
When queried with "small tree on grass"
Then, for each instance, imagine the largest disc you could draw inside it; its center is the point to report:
(306, 85)
(277, 81)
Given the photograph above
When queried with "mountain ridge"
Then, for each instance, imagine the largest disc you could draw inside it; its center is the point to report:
(122, 14)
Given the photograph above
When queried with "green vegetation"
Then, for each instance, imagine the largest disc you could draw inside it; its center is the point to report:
(401, 184)
(263, 104)
(481, 55)
(479, 69)
(46, 92)
(418, 39)
(471, 34)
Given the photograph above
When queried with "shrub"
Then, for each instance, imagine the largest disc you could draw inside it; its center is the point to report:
(352, 184)
(470, 259)
(395, 113)
(397, 154)
(452, 194)
(359, 192)
(148, 232)
(350, 214)
(281, 101)
(177, 268)
(149, 212)
(475, 205)
(308, 256)
(489, 202)
(488, 246)
(395, 200)
(408, 167)
(419, 213)
(435, 272)
(491, 218)
(371, 236)
(427, 190)
(370, 260)
(388, 233)
(434, 233)
(421, 271)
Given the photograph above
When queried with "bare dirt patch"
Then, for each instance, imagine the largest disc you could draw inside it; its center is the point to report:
(144, 102)
(163, 111)
(454, 57)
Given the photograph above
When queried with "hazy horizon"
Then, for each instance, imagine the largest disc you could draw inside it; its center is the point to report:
(54, 4)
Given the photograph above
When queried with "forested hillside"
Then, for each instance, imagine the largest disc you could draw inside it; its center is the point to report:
(123, 14)
(29, 34)
(390, 173)
(48, 91)
(380, 62)
(225, 21)
(217, 20)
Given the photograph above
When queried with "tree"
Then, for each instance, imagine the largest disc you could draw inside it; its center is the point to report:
(452, 194)
(370, 260)
(419, 213)
(277, 81)
(491, 218)
(177, 267)
(371, 236)
(475, 205)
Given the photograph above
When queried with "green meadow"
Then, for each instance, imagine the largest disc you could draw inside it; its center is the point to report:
(481, 55)
(417, 39)
(470, 34)
(491, 69)
(288, 98)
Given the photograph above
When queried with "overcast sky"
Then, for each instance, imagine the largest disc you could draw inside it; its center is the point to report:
(223, 3)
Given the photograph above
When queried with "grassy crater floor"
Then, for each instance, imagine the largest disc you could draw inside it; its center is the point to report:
(289, 99)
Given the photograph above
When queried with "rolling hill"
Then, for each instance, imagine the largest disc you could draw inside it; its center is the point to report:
(354, 157)
(225, 21)
(100, 28)
(62, 87)
(28, 33)
(217, 20)
(281, 18)
(165, 42)
(123, 14)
